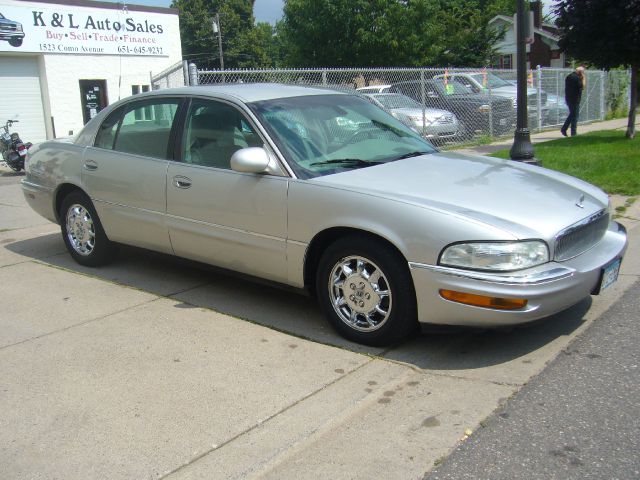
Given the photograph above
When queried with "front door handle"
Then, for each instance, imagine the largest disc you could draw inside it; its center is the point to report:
(90, 165)
(181, 182)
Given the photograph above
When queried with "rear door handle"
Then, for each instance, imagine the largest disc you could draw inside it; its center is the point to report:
(181, 182)
(90, 165)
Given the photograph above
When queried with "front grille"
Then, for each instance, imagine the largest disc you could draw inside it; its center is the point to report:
(8, 28)
(444, 120)
(582, 236)
(532, 99)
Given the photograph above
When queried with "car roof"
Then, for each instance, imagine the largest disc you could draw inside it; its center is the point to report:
(247, 92)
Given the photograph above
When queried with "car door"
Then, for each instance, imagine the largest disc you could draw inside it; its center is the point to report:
(217, 215)
(124, 173)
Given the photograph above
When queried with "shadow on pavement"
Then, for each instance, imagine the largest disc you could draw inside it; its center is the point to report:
(470, 349)
(196, 285)
(11, 173)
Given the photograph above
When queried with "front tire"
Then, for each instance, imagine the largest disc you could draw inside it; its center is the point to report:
(365, 290)
(82, 231)
(15, 42)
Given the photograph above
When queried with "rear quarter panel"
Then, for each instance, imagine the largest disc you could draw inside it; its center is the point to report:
(51, 165)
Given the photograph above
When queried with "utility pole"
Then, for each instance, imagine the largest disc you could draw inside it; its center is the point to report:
(522, 149)
(217, 28)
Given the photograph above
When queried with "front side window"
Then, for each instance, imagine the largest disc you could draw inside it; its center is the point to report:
(390, 100)
(490, 80)
(324, 134)
(146, 128)
(214, 131)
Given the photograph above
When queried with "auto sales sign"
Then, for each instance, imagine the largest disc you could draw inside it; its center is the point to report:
(82, 30)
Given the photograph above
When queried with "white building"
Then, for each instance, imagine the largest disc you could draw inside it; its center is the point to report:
(544, 50)
(63, 61)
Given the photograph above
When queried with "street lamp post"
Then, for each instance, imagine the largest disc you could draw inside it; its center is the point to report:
(522, 149)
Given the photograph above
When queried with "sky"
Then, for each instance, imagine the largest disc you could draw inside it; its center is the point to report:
(264, 10)
(269, 10)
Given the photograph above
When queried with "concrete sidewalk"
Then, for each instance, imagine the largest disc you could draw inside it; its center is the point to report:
(156, 368)
(616, 124)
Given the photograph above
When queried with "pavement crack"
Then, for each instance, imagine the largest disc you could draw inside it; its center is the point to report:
(262, 422)
(69, 327)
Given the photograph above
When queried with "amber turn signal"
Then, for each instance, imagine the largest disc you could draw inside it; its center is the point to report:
(482, 301)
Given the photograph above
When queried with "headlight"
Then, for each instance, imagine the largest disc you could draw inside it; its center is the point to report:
(484, 108)
(495, 256)
(18, 28)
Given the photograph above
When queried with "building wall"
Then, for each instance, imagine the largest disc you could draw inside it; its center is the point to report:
(60, 73)
(120, 73)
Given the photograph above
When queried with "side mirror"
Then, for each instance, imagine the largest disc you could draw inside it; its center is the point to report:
(250, 160)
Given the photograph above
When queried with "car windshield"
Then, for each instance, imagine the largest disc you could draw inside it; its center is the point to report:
(324, 134)
(492, 81)
(1, 17)
(451, 87)
(396, 101)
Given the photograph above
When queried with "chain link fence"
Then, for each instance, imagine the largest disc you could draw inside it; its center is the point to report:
(449, 105)
(174, 76)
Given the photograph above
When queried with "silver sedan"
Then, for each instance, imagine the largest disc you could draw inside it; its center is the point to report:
(324, 191)
(432, 123)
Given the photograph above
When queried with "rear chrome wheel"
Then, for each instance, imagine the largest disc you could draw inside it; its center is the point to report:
(365, 290)
(82, 231)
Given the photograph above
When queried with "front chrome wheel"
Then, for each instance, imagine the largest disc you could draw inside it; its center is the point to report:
(81, 231)
(360, 293)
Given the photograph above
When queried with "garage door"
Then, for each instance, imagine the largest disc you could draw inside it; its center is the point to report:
(21, 98)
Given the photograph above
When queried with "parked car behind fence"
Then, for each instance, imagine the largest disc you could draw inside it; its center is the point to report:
(605, 92)
(433, 124)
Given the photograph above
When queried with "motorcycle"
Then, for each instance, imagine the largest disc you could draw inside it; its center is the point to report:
(13, 149)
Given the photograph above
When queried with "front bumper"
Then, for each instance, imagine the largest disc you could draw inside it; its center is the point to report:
(549, 288)
(10, 35)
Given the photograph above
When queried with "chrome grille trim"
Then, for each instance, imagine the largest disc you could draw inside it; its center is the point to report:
(581, 236)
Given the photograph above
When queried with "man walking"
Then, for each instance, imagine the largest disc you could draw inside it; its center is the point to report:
(573, 86)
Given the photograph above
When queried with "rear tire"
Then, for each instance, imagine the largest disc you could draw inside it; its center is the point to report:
(82, 231)
(365, 290)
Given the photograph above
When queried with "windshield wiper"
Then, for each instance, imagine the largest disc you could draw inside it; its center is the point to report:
(353, 161)
(409, 155)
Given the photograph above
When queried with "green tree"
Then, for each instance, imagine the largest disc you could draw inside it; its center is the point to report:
(369, 33)
(244, 44)
(605, 33)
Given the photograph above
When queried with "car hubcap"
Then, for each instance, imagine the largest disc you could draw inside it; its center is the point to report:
(360, 293)
(80, 230)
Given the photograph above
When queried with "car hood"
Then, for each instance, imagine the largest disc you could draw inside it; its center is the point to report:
(522, 200)
(477, 99)
(417, 112)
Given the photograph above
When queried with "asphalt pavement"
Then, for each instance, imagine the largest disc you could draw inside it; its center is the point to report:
(578, 420)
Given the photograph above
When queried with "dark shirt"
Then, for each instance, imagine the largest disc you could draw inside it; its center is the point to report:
(573, 88)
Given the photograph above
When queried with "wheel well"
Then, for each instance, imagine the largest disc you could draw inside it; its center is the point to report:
(62, 192)
(323, 239)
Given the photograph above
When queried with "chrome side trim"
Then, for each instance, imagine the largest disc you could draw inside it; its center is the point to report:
(227, 228)
(35, 186)
(553, 274)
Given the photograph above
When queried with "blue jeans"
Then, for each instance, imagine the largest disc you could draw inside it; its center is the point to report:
(572, 119)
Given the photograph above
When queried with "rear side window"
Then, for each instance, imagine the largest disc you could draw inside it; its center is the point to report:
(107, 131)
(144, 129)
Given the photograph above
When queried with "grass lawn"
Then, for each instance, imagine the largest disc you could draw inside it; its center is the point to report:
(606, 159)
